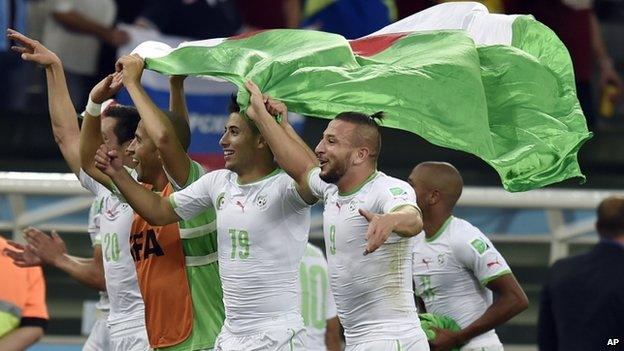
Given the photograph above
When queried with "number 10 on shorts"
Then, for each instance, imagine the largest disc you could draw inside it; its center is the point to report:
(240, 244)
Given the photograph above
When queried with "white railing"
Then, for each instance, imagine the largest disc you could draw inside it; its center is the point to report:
(16, 186)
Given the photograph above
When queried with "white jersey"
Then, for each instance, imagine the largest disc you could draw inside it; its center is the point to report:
(317, 300)
(115, 220)
(262, 233)
(451, 270)
(93, 227)
(373, 293)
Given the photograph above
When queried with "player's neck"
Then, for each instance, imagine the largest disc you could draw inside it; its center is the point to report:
(354, 179)
(433, 222)
(159, 182)
(255, 172)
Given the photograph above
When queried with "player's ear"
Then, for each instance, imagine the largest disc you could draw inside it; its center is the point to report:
(261, 142)
(360, 155)
(434, 197)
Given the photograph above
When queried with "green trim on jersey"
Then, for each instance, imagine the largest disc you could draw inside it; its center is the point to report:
(487, 280)
(398, 345)
(273, 173)
(359, 187)
(204, 281)
(172, 202)
(441, 230)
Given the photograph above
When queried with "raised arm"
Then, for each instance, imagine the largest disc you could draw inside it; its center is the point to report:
(62, 112)
(51, 250)
(291, 155)
(91, 132)
(177, 100)
(159, 128)
(154, 209)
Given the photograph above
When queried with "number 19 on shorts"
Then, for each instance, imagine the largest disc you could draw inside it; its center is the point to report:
(240, 244)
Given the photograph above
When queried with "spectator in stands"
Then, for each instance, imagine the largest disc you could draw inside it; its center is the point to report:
(75, 31)
(582, 304)
(23, 311)
(349, 18)
(283, 14)
(458, 273)
(13, 14)
(195, 19)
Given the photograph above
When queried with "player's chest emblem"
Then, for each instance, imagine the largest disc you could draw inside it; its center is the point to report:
(353, 206)
(262, 202)
(442, 259)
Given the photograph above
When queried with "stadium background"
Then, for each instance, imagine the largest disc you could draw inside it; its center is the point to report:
(523, 233)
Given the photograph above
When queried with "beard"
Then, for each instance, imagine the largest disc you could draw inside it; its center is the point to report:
(333, 174)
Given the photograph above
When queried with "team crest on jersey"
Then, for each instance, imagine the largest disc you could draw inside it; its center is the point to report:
(442, 259)
(353, 206)
(262, 202)
(479, 245)
(220, 201)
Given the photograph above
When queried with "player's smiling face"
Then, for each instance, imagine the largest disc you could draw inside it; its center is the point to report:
(335, 150)
(239, 143)
(145, 155)
(112, 141)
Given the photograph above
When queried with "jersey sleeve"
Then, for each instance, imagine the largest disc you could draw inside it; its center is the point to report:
(195, 198)
(394, 194)
(316, 184)
(89, 183)
(290, 196)
(93, 226)
(196, 171)
(477, 253)
(35, 306)
(330, 309)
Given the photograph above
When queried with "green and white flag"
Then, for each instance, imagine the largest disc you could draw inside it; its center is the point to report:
(500, 87)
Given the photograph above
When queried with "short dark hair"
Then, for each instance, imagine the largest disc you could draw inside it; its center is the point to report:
(233, 105)
(610, 223)
(372, 122)
(127, 119)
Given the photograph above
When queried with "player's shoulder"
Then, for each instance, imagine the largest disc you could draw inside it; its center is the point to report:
(383, 183)
(461, 231)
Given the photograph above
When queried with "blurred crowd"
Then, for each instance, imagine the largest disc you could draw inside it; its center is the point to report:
(86, 33)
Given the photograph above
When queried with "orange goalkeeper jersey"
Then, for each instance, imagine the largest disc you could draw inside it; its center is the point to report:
(161, 271)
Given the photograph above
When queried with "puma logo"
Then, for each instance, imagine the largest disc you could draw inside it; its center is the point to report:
(426, 262)
(241, 205)
(490, 264)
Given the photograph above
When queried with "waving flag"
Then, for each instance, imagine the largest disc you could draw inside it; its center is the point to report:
(499, 87)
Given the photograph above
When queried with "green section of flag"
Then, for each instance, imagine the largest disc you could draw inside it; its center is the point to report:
(429, 322)
(515, 106)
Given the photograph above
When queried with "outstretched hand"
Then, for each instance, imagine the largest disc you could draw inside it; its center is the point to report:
(22, 255)
(32, 50)
(108, 161)
(379, 229)
(49, 248)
